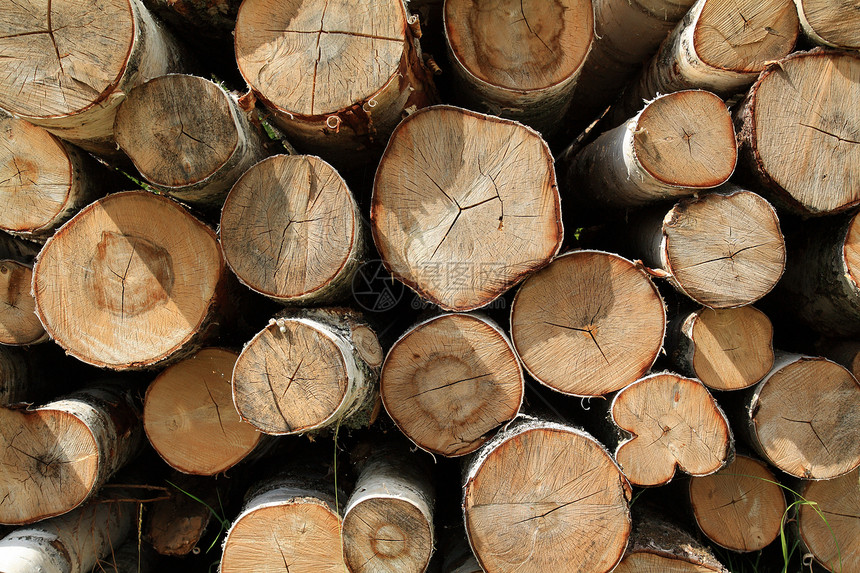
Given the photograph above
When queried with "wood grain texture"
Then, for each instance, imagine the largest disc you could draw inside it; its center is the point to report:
(833, 537)
(831, 23)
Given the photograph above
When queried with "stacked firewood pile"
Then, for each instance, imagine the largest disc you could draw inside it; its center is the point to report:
(458, 285)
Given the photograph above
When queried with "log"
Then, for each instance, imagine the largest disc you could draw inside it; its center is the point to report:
(720, 46)
(464, 206)
(209, 16)
(73, 543)
(540, 496)
(19, 325)
(189, 417)
(834, 539)
(388, 520)
(57, 456)
(176, 525)
(70, 78)
(726, 349)
(290, 522)
(820, 286)
(457, 555)
(307, 370)
(518, 59)
(291, 230)
(803, 417)
(626, 34)
(17, 249)
(43, 180)
(589, 324)
(450, 382)
(677, 145)
(844, 352)
(809, 99)
(26, 374)
(337, 80)
(130, 281)
(659, 546)
(723, 250)
(672, 422)
(830, 23)
(741, 507)
(187, 137)
(130, 557)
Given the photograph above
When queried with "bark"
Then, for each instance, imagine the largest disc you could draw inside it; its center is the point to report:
(70, 78)
(720, 46)
(727, 349)
(128, 558)
(465, 206)
(290, 522)
(26, 374)
(802, 417)
(457, 555)
(19, 325)
(844, 352)
(58, 455)
(798, 132)
(43, 180)
(337, 80)
(518, 519)
(189, 417)
(14, 248)
(188, 137)
(820, 285)
(741, 507)
(208, 16)
(677, 145)
(589, 324)
(130, 281)
(673, 422)
(831, 23)
(831, 536)
(388, 520)
(626, 34)
(659, 546)
(73, 543)
(450, 382)
(292, 230)
(519, 60)
(307, 370)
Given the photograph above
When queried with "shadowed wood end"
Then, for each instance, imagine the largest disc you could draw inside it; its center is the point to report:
(189, 415)
(57, 60)
(675, 422)
(740, 507)
(19, 324)
(464, 206)
(450, 382)
(520, 45)
(588, 324)
(833, 539)
(128, 281)
(290, 227)
(686, 139)
(312, 58)
(544, 498)
(744, 35)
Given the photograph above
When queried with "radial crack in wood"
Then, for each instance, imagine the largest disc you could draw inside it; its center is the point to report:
(450, 382)
(589, 324)
(19, 325)
(464, 206)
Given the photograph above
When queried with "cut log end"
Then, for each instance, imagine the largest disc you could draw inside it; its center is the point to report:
(724, 250)
(19, 324)
(177, 129)
(740, 507)
(686, 139)
(816, 403)
(357, 53)
(64, 59)
(136, 273)
(519, 45)
(675, 422)
(647, 562)
(190, 419)
(733, 348)
(588, 324)
(290, 229)
(464, 206)
(386, 535)
(745, 35)
(831, 535)
(825, 135)
(544, 498)
(831, 23)
(450, 382)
